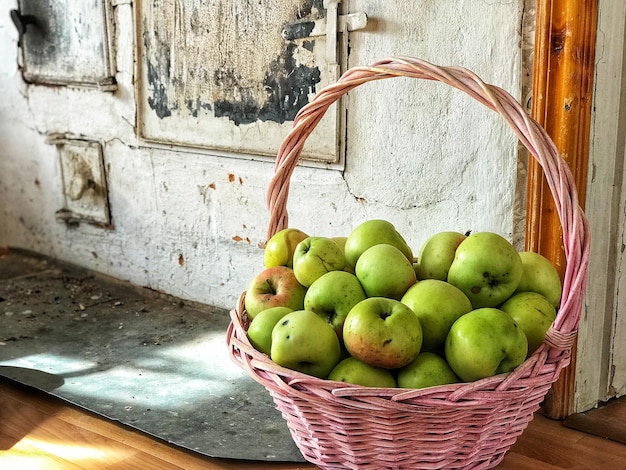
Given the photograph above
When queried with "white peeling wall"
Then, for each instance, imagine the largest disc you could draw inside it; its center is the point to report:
(423, 156)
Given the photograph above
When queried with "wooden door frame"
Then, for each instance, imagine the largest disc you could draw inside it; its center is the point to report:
(563, 71)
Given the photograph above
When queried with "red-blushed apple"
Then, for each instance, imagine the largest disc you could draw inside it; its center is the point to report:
(383, 333)
(483, 343)
(353, 371)
(539, 275)
(487, 268)
(533, 313)
(427, 370)
(305, 342)
(315, 256)
(332, 296)
(260, 329)
(374, 232)
(384, 271)
(437, 253)
(280, 247)
(437, 305)
(274, 287)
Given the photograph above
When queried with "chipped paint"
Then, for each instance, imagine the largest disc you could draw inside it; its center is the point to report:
(229, 60)
(219, 75)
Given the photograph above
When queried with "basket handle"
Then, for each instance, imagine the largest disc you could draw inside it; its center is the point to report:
(530, 133)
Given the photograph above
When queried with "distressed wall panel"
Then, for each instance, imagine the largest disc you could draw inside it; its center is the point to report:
(218, 74)
(67, 42)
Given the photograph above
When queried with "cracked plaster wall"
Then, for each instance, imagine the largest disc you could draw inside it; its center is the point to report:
(418, 154)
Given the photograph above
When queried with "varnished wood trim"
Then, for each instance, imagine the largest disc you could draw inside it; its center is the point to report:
(563, 72)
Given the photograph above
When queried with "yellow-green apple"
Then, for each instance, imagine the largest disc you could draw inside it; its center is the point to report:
(305, 342)
(533, 313)
(274, 287)
(341, 241)
(383, 333)
(487, 268)
(416, 268)
(332, 296)
(384, 271)
(437, 253)
(260, 329)
(373, 232)
(483, 343)
(280, 247)
(427, 370)
(352, 370)
(315, 256)
(539, 275)
(437, 305)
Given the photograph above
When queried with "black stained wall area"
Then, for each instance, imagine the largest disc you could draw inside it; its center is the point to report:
(288, 86)
(283, 91)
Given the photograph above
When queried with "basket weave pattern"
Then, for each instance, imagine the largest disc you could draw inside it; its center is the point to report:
(470, 425)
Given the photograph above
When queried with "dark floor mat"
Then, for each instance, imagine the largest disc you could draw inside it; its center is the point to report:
(131, 355)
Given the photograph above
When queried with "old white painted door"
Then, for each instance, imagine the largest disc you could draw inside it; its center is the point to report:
(601, 357)
(230, 75)
(617, 361)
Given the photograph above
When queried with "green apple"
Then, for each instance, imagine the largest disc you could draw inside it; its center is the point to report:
(332, 296)
(341, 241)
(437, 305)
(437, 254)
(487, 268)
(353, 371)
(305, 342)
(315, 256)
(427, 370)
(416, 268)
(483, 343)
(383, 333)
(539, 275)
(280, 247)
(374, 232)
(384, 271)
(260, 329)
(533, 313)
(274, 287)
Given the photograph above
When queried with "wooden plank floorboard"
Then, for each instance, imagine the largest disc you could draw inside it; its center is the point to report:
(607, 421)
(38, 431)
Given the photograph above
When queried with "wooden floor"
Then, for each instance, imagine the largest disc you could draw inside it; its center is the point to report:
(41, 432)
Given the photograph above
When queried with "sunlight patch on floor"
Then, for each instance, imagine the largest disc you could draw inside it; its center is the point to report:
(159, 379)
(31, 453)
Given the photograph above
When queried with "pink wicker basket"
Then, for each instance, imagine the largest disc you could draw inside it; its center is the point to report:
(470, 425)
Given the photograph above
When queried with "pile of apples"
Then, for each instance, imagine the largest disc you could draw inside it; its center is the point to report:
(361, 309)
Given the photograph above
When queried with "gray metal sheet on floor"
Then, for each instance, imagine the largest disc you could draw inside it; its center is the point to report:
(143, 359)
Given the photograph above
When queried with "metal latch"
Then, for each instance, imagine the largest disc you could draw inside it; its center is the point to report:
(310, 28)
(329, 26)
(21, 22)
